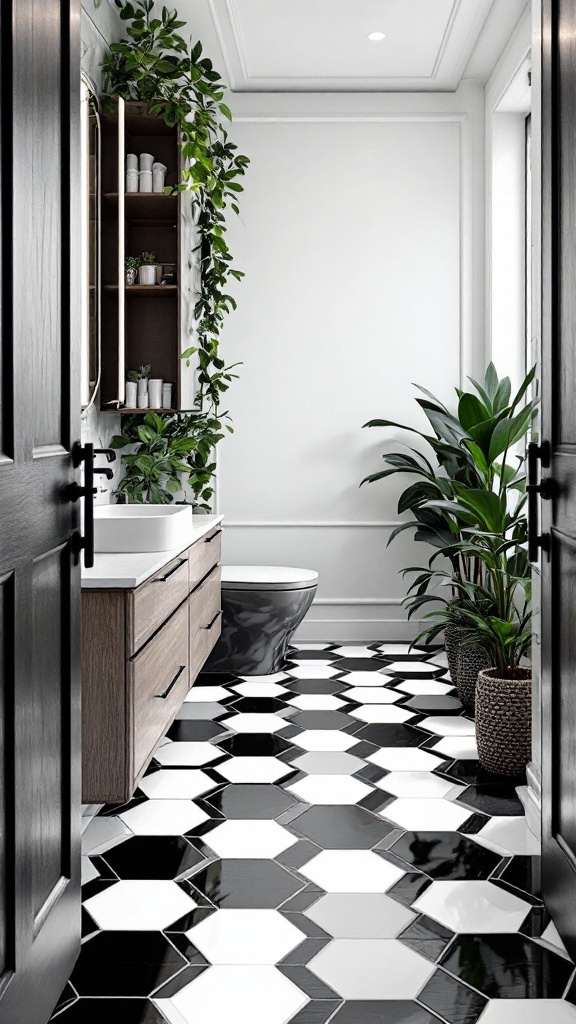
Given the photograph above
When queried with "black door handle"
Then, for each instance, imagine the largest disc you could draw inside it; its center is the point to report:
(537, 488)
(85, 454)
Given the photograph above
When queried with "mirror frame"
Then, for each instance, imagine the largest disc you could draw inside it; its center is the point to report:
(89, 97)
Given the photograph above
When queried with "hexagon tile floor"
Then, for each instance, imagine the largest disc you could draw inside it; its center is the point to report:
(319, 845)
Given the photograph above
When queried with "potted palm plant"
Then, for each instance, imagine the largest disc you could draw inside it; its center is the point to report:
(471, 456)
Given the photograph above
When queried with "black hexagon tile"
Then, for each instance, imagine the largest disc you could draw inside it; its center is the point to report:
(317, 846)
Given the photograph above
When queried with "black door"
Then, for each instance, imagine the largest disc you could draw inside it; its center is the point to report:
(39, 583)
(559, 435)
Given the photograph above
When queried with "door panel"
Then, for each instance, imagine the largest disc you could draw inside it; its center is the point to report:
(49, 683)
(40, 804)
(558, 568)
(7, 775)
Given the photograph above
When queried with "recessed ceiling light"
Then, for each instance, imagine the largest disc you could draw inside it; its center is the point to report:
(377, 36)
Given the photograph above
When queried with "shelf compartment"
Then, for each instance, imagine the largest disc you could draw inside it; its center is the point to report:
(148, 207)
(158, 291)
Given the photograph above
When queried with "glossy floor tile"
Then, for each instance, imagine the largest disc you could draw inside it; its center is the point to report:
(319, 846)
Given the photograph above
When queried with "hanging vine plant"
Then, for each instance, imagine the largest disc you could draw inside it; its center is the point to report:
(156, 65)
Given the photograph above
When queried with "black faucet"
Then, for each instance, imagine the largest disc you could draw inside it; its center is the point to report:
(111, 457)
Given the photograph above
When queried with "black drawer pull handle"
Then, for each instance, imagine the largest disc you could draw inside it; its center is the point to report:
(162, 579)
(162, 696)
(214, 620)
(208, 540)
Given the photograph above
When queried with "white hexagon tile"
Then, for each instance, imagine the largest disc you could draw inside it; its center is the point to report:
(319, 846)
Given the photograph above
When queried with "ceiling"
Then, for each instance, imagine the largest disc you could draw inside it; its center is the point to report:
(323, 45)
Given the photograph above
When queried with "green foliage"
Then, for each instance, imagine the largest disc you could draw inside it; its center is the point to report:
(142, 374)
(167, 452)
(132, 262)
(468, 503)
(148, 259)
(156, 65)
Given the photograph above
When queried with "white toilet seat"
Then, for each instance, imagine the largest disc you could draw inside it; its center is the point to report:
(267, 577)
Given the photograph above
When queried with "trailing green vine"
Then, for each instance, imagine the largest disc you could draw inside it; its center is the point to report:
(156, 65)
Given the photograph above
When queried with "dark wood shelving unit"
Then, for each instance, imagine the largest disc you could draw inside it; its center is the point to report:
(150, 290)
(140, 323)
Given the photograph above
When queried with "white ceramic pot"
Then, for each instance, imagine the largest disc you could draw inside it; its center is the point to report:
(131, 394)
(166, 396)
(145, 181)
(146, 161)
(131, 162)
(143, 393)
(155, 393)
(132, 181)
(157, 181)
(147, 274)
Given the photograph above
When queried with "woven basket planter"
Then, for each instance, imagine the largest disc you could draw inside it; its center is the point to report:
(452, 635)
(471, 661)
(504, 721)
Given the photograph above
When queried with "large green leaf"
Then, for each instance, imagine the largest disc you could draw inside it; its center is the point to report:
(416, 494)
(491, 382)
(524, 387)
(508, 432)
(502, 397)
(480, 460)
(471, 411)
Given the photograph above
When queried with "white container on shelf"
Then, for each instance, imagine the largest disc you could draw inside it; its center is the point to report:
(143, 393)
(145, 181)
(159, 172)
(146, 161)
(131, 394)
(147, 274)
(132, 181)
(131, 162)
(155, 393)
(166, 396)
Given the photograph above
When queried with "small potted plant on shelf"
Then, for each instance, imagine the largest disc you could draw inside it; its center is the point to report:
(131, 265)
(147, 267)
(137, 388)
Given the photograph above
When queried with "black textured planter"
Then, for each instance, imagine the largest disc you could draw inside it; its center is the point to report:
(504, 721)
(452, 635)
(471, 660)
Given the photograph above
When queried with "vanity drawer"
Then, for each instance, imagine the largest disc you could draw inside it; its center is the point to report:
(159, 682)
(151, 604)
(205, 620)
(201, 644)
(205, 600)
(203, 555)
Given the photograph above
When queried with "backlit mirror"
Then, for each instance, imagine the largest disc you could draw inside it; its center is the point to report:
(90, 255)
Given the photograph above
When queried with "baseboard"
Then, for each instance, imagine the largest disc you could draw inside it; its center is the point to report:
(531, 799)
(358, 631)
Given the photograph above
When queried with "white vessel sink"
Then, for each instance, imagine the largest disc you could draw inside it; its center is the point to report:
(132, 528)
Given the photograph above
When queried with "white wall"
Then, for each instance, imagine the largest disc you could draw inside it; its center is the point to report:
(507, 104)
(362, 238)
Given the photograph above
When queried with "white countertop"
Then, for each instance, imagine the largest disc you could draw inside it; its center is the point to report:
(120, 571)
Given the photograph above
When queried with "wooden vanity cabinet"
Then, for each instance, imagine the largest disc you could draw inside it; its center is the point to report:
(142, 650)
